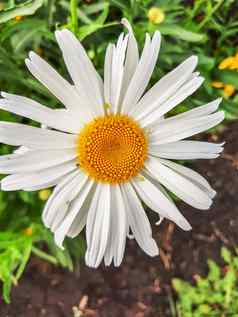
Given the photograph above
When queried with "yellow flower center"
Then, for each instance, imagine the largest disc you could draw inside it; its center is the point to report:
(112, 149)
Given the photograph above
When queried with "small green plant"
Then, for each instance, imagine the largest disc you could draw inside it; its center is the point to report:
(215, 295)
(16, 248)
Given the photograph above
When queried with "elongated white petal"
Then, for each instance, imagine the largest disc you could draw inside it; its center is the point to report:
(57, 119)
(61, 185)
(191, 175)
(132, 55)
(143, 72)
(36, 160)
(158, 201)
(36, 138)
(184, 188)
(118, 228)
(147, 118)
(165, 87)
(197, 112)
(131, 59)
(186, 150)
(63, 227)
(138, 221)
(58, 204)
(108, 73)
(98, 225)
(181, 129)
(200, 111)
(117, 71)
(57, 85)
(81, 69)
(120, 64)
(41, 179)
(61, 193)
(81, 218)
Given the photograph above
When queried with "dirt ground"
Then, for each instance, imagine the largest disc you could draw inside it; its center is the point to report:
(141, 287)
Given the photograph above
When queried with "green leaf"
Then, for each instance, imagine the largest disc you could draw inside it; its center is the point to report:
(25, 257)
(226, 255)
(206, 63)
(87, 30)
(24, 37)
(214, 271)
(182, 34)
(26, 8)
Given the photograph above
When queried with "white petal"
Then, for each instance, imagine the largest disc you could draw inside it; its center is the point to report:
(191, 175)
(150, 116)
(19, 150)
(197, 112)
(143, 72)
(118, 58)
(157, 200)
(138, 221)
(36, 138)
(65, 182)
(81, 218)
(58, 205)
(98, 225)
(35, 160)
(132, 58)
(41, 179)
(186, 150)
(118, 228)
(63, 227)
(184, 188)
(171, 131)
(108, 73)
(81, 69)
(165, 87)
(200, 111)
(57, 85)
(57, 119)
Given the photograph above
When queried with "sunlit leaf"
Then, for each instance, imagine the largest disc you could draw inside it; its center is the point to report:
(26, 8)
(181, 33)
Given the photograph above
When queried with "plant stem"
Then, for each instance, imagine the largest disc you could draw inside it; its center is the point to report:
(210, 14)
(74, 16)
(45, 256)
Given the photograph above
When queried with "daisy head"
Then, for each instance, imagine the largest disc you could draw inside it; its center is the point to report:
(110, 146)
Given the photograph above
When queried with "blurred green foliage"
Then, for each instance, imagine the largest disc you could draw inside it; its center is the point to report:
(215, 295)
(207, 28)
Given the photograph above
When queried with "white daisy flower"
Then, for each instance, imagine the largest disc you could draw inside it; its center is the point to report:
(109, 150)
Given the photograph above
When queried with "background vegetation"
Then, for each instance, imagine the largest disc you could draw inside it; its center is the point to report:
(207, 28)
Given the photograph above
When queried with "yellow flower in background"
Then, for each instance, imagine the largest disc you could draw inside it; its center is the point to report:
(217, 84)
(1, 6)
(226, 63)
(230, 62)
(156, 15)
(28, 232)
(228, 90)
(18, 18)
(44, 194)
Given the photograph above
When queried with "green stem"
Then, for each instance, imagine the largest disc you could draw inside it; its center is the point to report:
(209, 16)
(74, 15)
(44, 256)
(51, 4)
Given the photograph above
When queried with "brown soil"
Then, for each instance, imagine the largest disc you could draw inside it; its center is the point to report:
(141, 287)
